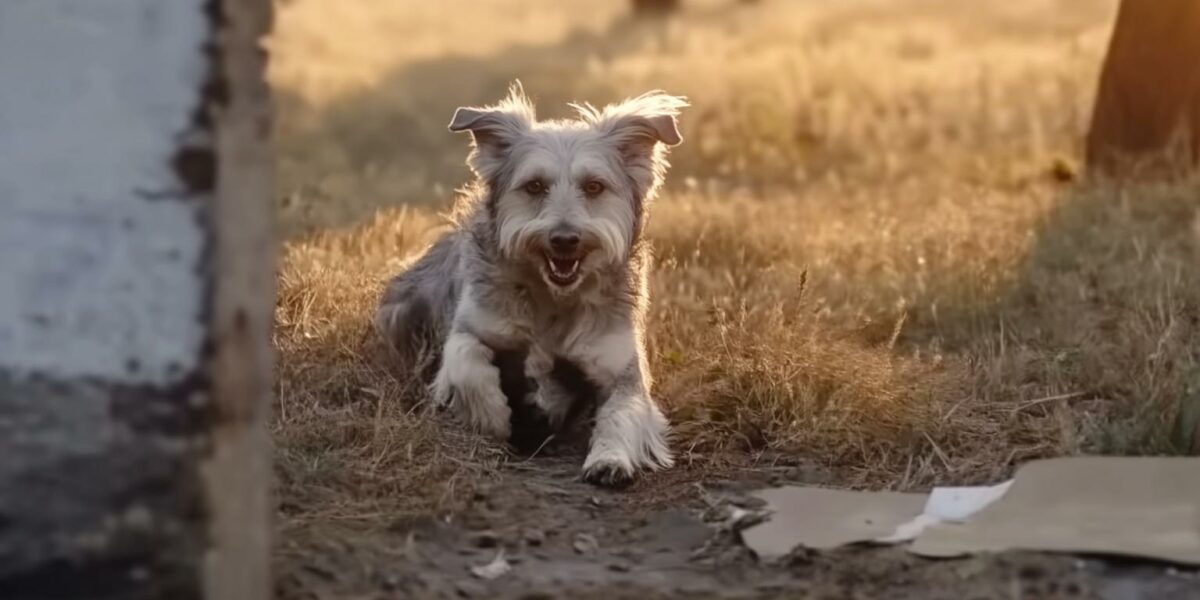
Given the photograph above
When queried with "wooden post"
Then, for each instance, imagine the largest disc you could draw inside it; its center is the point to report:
(136, 287)
(1149, 94)
(655, 7)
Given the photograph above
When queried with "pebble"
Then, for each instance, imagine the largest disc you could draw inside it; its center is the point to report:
(585, 543)
(391, 582)
(486, 539)
(534, 537)
(469, 589)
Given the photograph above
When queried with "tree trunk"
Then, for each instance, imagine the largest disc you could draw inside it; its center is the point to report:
(1148, 103)
(655, 7)
(135, 247)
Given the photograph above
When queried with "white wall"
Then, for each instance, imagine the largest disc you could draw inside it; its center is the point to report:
(98, 239)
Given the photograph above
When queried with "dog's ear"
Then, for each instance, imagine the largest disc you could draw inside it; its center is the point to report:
(648, 119)
(640, 129)
(494, 129)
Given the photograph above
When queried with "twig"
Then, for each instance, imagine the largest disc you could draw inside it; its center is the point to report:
(1033, 403)
(938, 451)
(539, 448)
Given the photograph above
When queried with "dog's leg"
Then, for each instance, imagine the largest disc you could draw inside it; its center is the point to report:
(470, 382)
(630, 431)
(413, 313)
(550, 397)
(630, 434)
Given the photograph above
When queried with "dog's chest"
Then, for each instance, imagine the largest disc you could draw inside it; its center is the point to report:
(560, 330)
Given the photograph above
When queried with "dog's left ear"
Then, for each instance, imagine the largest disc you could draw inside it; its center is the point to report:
(641, 129)
(648, 119)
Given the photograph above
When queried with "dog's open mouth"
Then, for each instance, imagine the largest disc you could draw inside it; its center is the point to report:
(562, 271)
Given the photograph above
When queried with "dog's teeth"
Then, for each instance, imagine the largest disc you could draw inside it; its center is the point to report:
(558, 268)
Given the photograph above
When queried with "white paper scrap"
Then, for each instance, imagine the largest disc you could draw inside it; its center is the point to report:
(957, 504)
(947, 505)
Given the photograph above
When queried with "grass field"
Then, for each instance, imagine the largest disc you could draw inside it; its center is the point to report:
(875, 249)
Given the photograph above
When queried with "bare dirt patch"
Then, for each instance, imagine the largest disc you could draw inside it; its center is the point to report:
(561, 538)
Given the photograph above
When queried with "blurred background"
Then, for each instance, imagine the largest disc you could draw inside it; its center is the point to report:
(785, 93)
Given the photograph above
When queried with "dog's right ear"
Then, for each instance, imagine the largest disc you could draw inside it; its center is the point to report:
(494, 130)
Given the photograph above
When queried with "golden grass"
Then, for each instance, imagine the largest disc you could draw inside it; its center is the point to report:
(873, 250)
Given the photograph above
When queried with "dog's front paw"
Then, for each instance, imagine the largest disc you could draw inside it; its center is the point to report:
(609, 470)
(630, 435)
(486, 412)
(491, 417)
(483, 407)
(441, 392)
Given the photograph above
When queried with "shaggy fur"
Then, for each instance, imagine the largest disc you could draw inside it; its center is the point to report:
(546, 262)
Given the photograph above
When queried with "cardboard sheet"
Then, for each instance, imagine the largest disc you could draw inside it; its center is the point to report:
(822, 518)
(1130, 506)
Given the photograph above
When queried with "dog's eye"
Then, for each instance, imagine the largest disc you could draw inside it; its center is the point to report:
(593, 188)
(535, 188)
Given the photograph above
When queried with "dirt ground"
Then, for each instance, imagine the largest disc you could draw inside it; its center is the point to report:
(879, 266)
(566, 539)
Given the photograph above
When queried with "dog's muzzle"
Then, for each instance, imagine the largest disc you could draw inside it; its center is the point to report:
(563, 254)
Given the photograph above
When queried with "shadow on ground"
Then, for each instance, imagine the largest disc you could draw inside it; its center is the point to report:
(1094, 335)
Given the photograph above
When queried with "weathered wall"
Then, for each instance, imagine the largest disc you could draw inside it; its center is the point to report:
(115, 396)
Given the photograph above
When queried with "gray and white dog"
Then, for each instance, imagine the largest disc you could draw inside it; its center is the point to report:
(546, 258)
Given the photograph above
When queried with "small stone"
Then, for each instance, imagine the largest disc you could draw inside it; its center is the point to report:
(497, 568)
(486, 539)
(618, 567)
(534, 537)
(585, 543)
(390, 582)
(321, 572)
(469, 589)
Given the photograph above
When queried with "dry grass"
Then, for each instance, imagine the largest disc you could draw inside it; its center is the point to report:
(873, 251)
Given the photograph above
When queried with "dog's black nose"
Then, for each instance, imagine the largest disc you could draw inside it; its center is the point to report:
(564, 242)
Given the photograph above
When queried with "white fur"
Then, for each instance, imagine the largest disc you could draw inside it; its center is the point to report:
(604, 354)
(630, 434)
(469, 379)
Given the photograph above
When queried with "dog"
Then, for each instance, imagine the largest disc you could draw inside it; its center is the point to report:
(546, 261)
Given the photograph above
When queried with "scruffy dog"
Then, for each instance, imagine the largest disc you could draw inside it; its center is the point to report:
(546, 261)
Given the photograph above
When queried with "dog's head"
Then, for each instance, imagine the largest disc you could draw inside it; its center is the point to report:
(569, 197)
